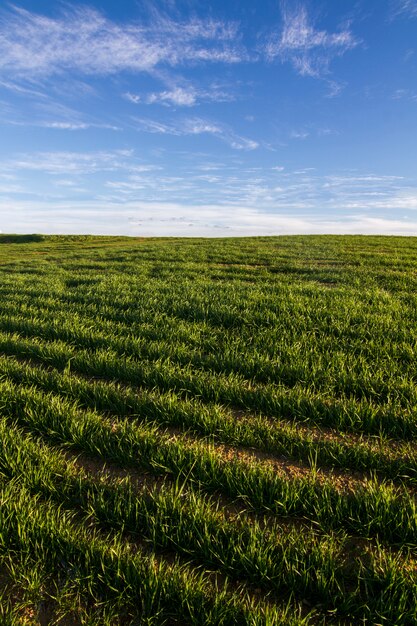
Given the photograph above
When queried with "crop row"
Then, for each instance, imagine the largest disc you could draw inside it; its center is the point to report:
(214, 421)
(373, 509)
(109, 572)
(179, 519)
(352, 368)
(295, 403)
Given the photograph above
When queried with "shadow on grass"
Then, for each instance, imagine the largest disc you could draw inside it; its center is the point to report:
(20, 238)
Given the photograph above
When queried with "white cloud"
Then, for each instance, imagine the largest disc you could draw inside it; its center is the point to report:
(10, 189)
(83, 40)
(152, 126)
(60, 125)
(132, 97)
(74, 125)
(399, 94)
(38, 110)
(139, 169)
(404, 94)
(405, 7)
(365, 178)
(65, 125)
(241, 143)
(335, 88)
(404, 201)
(177, 96)
(299, 134)
(63, 163)
(65, 183)
(309, 50)
(19, 89)
(119, 177)
(197, 126)
(211, 167)
(180, 95)
(172, 219)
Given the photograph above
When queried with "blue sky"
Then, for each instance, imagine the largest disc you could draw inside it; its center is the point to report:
(208, 118)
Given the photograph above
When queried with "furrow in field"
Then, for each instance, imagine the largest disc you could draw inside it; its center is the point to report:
(172, 518)
(296, 308)
(374, 509)
(235, 511)
(96, 469)
(74, 288)
(344, 372)
(54, 537)
(294, 404)
(110, 568)
(181, 519)
(328, 449)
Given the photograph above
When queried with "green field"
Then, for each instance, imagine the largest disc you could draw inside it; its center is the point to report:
(201, 431)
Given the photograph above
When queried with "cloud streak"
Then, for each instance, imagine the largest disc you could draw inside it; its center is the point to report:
(405, 7)
(197, 126)
(83, 40)
(70, 162)
(309, 50)
(180, 96)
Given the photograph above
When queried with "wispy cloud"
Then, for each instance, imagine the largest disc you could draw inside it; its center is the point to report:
(83, 40)
(308, 49)
(63, 163)
(299, 134)
(404, 94)
(214, 196)
(176, 96)
(132, 97)
(58, 125)
(405, 7)
(173, 219)
(153, 126)
(181, 96)
(21, 90)
(35, 109)
(65, 125)
(197, 126)
(6, 188)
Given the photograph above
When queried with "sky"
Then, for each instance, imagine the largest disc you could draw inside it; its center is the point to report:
(208, 118)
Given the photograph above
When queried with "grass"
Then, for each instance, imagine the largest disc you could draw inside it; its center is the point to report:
(208, 431)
